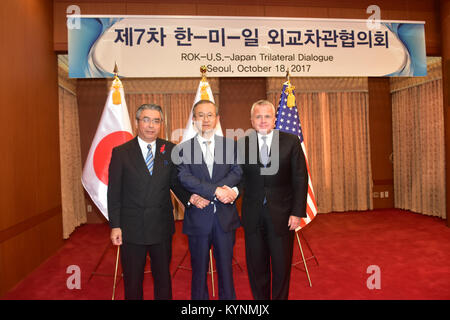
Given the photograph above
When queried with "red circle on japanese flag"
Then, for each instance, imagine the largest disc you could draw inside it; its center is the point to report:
(102, 154)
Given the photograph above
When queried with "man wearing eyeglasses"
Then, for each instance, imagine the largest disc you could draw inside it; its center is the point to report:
(141, 175)
(210, 171)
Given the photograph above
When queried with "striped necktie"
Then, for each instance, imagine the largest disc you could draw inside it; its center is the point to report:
(149, 159)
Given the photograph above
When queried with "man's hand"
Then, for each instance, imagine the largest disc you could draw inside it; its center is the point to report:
(116, 236)
(294, 222)
(198, 201)
(225, 194)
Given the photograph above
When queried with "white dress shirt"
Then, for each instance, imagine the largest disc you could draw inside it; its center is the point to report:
(212, 145)
(143, 145)
(268, 140)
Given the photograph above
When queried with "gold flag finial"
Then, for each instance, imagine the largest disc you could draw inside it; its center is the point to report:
(203, 72)
(203, 89)
(290, 92)
(116, 98)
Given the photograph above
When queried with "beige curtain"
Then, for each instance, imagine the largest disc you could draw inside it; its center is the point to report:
(176, 109)
(174, 95)
(418, 143)
(334, 116)
(73, 202)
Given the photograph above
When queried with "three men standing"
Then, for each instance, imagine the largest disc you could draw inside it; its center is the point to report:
(270, 173)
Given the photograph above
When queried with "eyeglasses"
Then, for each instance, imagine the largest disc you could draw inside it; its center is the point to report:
(208, 116)
(147, 120)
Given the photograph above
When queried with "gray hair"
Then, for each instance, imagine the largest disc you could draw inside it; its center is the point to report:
(260, 103)
(149, 106)
(204, 102)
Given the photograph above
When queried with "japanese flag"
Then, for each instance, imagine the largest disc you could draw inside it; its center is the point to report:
(114, 129)
(204, 92)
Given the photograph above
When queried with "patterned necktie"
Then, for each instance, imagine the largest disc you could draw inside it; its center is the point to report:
(208, 158)
(264, 153)
(149, 159)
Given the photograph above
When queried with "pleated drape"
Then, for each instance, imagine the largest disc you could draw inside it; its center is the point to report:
(334, 115)
(419, 150)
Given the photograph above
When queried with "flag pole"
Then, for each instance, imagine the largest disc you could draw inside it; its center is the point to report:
(291, 103)
(296, 234)
(115, 272)
(303, 258)
(116, 76)
(212, 272)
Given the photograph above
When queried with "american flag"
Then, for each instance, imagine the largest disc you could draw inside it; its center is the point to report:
(289, 121)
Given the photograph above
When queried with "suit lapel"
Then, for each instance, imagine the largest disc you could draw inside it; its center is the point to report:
(258, 155)
(275, 135)
(138, 159)
(158, 164)
(157, 168)
(198, 150)
(220, 156)
(251, 149)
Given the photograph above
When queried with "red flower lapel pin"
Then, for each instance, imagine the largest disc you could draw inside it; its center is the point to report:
(163, 149)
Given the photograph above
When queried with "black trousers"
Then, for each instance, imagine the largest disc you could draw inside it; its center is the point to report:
(133, 259)
(269, 259)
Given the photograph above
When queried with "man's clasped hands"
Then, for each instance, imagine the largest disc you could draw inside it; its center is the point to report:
(224, 194)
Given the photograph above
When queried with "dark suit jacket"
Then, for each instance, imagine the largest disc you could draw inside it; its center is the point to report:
(194, 176)
(285, 188)
(140, 203)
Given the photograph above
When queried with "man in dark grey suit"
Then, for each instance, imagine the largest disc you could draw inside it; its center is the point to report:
(141, 175)
(274, 186)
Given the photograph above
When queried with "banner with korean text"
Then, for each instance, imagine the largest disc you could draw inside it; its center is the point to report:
(175, 46)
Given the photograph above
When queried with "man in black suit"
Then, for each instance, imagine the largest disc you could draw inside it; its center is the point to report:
(209, 169)
(141, 174)
(274, 186)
